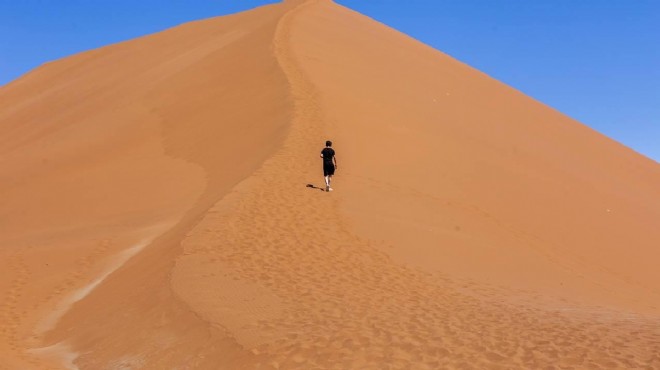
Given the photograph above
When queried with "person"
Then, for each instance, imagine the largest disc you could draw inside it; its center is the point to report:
(329, 163)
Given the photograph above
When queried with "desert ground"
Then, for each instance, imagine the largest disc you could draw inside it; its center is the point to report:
(161, 207)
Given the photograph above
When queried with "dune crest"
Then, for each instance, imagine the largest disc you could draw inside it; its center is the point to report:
(471, 226)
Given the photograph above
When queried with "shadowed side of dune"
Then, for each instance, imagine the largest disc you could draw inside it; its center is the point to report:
(119, 145)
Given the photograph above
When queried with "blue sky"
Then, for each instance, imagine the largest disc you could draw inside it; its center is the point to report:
(597, 61)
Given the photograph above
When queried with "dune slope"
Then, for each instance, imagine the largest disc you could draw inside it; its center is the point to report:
(157, 212)
(470, 177)
(123, 147)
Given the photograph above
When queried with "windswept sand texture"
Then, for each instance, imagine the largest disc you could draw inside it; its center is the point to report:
(154, 210)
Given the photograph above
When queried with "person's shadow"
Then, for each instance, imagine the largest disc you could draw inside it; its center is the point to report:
(312, 186)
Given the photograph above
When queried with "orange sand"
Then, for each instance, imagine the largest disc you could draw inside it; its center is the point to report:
(155, 212)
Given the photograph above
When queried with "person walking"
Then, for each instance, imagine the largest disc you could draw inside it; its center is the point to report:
(329, 163)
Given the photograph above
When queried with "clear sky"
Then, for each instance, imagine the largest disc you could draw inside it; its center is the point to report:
(597, 61)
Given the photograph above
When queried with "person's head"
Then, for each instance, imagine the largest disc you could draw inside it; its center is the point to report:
(328, 143)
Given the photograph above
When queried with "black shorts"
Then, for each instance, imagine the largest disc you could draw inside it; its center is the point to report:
(328, 169)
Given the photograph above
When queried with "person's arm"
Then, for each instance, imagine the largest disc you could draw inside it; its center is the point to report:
(334, 158)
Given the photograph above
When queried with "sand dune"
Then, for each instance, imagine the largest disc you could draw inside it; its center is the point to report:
(155, 212)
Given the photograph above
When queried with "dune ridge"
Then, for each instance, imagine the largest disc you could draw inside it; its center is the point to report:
(344, 303)
(261, 271)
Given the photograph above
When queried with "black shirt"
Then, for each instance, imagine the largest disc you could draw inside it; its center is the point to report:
(328, 154)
